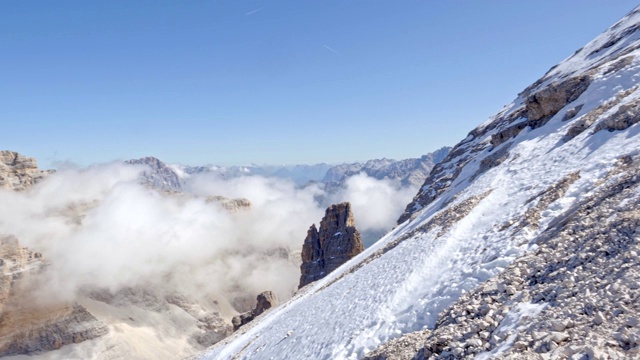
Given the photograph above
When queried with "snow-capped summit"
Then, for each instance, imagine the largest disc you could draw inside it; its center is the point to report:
(521, 242)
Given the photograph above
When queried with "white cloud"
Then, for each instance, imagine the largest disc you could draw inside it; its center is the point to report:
(376, 204)
(132, 235)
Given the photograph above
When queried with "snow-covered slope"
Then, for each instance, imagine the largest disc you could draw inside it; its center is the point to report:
(483, 207)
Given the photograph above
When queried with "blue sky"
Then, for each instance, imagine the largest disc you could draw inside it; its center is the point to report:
(238, 82)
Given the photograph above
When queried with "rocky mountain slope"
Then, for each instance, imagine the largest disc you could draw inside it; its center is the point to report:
(408, 172)
(157, 174)
(521, 244)
(18, 172)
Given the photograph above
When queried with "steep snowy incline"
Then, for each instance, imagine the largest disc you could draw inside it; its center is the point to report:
(564, 133)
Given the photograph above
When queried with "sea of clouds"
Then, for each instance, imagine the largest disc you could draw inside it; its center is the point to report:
(98, 227)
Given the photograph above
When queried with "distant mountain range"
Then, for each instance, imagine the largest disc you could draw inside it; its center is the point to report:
(407, 172)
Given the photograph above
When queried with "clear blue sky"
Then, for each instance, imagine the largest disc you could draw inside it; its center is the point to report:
(235, 81)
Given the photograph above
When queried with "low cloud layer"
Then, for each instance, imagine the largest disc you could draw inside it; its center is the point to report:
(98, 227)
(377, 204)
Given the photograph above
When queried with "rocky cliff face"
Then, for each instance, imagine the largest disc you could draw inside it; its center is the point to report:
(157, 175)
(264, 301)
(29, 325)
(18, 172)
(336, 242)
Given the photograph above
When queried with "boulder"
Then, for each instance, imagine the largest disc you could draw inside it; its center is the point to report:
(264, 301)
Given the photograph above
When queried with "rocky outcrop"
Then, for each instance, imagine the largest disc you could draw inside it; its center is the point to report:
(336, 242)
(264, 301)
(29, 325)
(627, 115)
(157, 175)
(18, 172)
(27, 331)
(550, 99)
(231, 205)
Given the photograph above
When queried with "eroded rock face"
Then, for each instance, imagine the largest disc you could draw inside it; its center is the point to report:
(30, 331)
(264, 301)
(29, 325)
(231, 205)
(158, 175)
(18, 172)
(335, 243)
(549, 100)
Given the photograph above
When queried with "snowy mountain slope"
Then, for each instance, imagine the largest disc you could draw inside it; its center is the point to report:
(574, 296)
(565, 132)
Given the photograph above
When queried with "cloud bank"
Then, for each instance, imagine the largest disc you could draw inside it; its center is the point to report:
(99, 227)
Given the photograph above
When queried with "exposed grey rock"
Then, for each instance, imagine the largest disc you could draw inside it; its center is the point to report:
(508, 133)
(619, 64)
(494, 159)
(408, 172)
(264, 301)
(335, 243)
(550, 99)
(585, 121)
(627, 115)
(157, 175)
(571, 113)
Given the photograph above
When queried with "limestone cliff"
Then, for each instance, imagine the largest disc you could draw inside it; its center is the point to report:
(157, 175)
(29, 324)
(332, 245)
(18, 172)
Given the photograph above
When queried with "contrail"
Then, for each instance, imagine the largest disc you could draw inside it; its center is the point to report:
(331, 49)
(255, 11)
